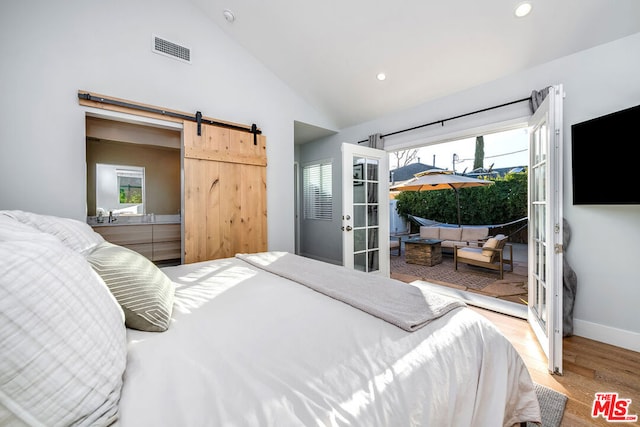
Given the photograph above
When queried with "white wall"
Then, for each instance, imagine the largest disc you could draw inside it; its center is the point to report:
(50, 50)
(604, 245)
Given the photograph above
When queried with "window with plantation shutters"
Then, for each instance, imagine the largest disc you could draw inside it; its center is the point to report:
(318, 194)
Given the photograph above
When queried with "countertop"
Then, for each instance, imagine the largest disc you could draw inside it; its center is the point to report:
(135, 220)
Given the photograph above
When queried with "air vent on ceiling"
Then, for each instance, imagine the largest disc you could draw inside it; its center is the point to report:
(170, 49)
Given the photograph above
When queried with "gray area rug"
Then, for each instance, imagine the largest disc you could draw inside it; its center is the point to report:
(552, 406)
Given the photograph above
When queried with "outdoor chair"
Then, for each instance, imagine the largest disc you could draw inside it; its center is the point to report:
(490, 255)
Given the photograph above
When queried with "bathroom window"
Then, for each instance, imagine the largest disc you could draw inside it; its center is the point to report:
(130, 186)
(120, 189)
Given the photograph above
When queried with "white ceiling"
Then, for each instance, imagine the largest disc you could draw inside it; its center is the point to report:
(330, 51)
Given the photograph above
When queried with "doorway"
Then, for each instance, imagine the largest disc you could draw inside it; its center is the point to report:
(503, 159)
(133, 172)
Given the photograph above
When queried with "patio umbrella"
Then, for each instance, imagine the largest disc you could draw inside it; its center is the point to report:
(440, 180)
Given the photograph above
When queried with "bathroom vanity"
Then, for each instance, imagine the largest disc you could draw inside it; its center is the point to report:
(159, 241)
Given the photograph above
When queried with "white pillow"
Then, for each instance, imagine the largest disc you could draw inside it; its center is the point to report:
(63, 338)
(76, 235)
(12, 230)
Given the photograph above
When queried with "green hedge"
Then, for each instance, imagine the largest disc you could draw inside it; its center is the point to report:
(500, 203)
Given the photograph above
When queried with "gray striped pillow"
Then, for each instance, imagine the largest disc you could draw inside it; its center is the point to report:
(143, 291)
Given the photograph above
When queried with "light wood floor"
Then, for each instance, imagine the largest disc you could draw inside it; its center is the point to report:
(589, 367)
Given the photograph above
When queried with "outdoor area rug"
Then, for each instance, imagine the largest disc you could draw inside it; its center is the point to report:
(552, 406)
(475, 278)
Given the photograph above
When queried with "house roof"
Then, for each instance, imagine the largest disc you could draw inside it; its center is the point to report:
(495, 172)
(407, 172)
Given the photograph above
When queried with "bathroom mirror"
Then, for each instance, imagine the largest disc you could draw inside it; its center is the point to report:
(120, 189)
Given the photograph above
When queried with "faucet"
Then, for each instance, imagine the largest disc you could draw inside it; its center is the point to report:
(111, 217)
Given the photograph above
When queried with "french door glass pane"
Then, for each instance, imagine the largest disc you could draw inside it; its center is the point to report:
(373, 261)
(372, 211)
(359, 216)
(372, 239)
(372, 170)
(359, 239)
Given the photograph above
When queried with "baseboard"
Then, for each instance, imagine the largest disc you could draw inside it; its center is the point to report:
(606, 334)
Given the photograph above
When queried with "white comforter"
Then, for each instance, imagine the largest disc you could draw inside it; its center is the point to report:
(248, 348)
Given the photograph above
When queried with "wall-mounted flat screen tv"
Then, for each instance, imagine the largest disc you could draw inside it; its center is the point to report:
(604, 165)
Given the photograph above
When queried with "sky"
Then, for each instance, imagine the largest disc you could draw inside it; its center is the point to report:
(504, 149)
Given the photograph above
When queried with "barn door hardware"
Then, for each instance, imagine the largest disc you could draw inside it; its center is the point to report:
(197, 118)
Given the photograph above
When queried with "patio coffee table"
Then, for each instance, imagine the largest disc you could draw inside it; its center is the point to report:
(423, 251)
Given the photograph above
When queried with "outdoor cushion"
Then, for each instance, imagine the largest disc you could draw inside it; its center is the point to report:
(430, 232)
(451, 233)
(473, 253)
(493, 243)
(472, 234)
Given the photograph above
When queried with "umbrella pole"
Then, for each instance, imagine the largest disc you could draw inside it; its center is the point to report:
(458, 204)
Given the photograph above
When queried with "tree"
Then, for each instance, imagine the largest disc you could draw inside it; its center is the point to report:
(405, 157)
(478, 161)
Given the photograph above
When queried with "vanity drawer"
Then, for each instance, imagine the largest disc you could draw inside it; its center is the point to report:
(166, 250)
(144, 249)
(166, 233)
(126, 234)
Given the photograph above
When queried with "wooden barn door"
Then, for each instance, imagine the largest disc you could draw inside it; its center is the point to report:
(225, 200)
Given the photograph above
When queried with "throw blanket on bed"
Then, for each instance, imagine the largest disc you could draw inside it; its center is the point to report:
(398, 303)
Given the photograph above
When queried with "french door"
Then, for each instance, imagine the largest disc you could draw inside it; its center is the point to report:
(365, 204)
(545, 227)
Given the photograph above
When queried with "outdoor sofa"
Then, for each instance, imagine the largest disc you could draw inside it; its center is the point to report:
(455, 236)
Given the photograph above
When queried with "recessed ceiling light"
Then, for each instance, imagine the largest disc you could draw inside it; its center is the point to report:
(523, 9)
(381, 76)
(228, 15)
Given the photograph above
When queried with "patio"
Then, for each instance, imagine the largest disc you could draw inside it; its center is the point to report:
(469, 278)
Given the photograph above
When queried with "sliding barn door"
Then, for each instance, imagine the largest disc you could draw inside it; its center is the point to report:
(225, 193)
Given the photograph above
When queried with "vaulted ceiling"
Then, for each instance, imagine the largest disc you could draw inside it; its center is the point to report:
(331, 51)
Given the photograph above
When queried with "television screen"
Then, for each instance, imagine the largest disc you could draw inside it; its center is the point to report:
(605, 169)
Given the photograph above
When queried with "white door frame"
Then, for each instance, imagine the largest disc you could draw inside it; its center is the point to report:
(545, 227)
(381, 158)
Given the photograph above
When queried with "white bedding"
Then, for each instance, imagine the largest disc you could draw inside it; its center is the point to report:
(249, 348)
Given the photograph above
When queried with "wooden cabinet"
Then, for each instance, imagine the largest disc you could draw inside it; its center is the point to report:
(158, 242)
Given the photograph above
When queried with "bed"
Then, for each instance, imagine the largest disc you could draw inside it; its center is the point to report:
(253, 340)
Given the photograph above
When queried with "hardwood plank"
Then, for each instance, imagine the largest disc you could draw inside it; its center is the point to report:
(589, 367)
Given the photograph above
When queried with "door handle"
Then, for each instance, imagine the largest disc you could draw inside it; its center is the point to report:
(349, 228)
